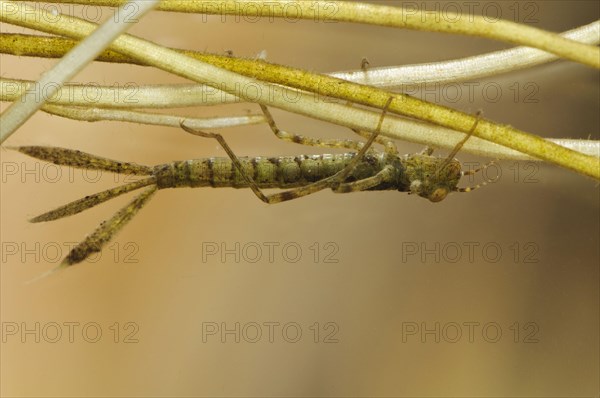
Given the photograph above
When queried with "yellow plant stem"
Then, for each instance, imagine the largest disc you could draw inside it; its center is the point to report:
(382, 15)
(182, 65)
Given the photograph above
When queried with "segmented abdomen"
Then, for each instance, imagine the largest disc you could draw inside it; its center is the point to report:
(267, 172)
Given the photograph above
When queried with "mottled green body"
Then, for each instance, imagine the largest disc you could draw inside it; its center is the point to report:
(416, 173)
(267, 172)
(366, 170)
(421, 174)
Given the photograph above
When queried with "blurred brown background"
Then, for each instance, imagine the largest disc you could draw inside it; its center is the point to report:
(370, 319)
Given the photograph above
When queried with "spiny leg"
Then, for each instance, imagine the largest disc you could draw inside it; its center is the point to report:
(427, 151)
(470, 172)
(303, 140)
(388, 144)
(364, 64)
(270, 199)
(274, 198)
(462, 142)
(232, 156)
(366, 183)
(348, 169)
(328, 182)
(334, 181)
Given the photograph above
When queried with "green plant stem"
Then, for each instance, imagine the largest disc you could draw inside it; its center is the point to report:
(184, 66)
(172, 97)
(380, 15)
(391, 77)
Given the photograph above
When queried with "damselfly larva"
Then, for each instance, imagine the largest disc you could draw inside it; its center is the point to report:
(366, 170)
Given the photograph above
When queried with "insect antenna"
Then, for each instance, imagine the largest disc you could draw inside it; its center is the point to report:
(477, 170)
(472, 172)
(472, 188)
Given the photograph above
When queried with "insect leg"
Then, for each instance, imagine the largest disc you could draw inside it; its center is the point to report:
(292, 193)
(348, 169)
(361, 185)
(270, 199)
(238, 165)
(334, 181)
(477, 170)
(388, 144)
(426, 151)
(329, 182)
(364, 64)
(459, 146)
(301, 191)
(300, 139)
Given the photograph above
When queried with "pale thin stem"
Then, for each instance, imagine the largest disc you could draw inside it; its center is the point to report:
(470, 68)
(405, 76)
(383, 15)
(126, 96)
(404, 129)
(84, 53)
(98, 114)
(279, 96)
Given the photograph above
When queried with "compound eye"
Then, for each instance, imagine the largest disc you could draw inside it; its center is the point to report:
(438, 195)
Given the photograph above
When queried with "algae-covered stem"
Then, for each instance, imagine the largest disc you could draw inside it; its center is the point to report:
(361, 119)
(407, 17)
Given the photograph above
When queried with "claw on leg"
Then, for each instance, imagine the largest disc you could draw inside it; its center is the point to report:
(364, 64)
